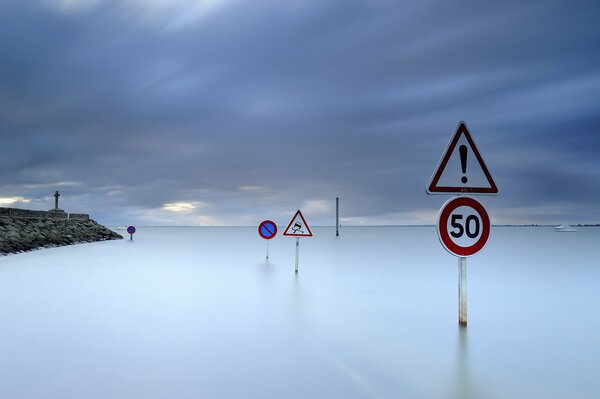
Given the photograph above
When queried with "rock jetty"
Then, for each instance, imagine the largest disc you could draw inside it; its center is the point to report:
(24, 230)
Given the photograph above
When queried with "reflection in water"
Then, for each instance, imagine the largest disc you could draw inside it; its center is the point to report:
(297, 314)
(465, 382)
(337, 252)
(462, 381)
(266, 267)
(297, 294)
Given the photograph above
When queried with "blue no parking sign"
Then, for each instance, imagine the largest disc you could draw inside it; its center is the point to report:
(131, 231)
(267, 229)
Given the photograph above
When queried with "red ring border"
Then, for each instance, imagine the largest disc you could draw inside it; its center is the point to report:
(443, 235)
(261, 225)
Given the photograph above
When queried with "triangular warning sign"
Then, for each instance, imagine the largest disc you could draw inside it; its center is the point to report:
(298, 227)
(461, 169)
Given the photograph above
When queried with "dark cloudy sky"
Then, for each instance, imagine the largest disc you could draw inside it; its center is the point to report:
(226, 112)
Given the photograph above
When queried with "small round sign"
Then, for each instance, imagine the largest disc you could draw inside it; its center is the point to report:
(267, 229)
(463, 226)
(131, 230)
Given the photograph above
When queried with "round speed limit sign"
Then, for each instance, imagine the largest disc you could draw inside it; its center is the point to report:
(463, 226)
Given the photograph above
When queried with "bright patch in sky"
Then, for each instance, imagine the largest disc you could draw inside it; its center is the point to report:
(68, 5)
(12, 200)
(175, 13)
(249, 188)
(318, 207)
(181, 206)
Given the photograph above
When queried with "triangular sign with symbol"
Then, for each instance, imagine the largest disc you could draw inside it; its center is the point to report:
(462, 169)
(298, 227)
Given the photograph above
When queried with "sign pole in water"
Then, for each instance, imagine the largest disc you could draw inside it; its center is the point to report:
(131, 231)
(297, 253)
(337, 216)
(462, 291)
(298, 228)
(463, 229)
(267, 230)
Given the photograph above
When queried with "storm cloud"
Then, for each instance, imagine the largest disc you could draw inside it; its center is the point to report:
(225, 112)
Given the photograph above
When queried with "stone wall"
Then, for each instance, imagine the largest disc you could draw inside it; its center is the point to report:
(28, 213)
(79, 216)
(23, 230)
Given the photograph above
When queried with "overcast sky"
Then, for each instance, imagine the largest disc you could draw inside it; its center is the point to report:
(227, 112)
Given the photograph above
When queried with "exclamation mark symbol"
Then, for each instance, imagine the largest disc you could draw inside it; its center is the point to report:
(463, 162)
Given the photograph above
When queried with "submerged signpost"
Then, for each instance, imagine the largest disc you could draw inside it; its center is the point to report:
(337, 216)
(267, 230)
(131, 231)
(463, 223)
(463, 228)
(298, 228)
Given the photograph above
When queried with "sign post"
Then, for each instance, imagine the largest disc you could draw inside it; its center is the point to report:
(463, 229)
(462, 291)
(131, 231)
(298, 228)
(297, 254)
(267, 230)
(463, 223)
(337, 216)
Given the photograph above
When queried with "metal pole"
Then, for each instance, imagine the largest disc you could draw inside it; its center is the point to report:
(267, 249)
(297, 252)
(337, 216)
(462, 291)
(130, 237)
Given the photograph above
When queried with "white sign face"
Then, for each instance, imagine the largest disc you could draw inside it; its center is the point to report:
(463, 226)
(298, 227)
(462, 169)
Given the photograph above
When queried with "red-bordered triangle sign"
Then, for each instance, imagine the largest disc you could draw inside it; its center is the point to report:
(462, 169)
(298, 227)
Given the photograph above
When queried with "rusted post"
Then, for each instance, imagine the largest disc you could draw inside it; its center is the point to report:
(297, 252)
(462, 291)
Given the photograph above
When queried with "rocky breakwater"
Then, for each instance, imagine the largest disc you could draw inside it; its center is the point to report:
(24, 230)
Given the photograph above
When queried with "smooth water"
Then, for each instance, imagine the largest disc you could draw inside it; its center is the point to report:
(199, 313)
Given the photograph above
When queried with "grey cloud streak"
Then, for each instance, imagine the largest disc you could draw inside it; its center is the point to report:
(305, 100)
